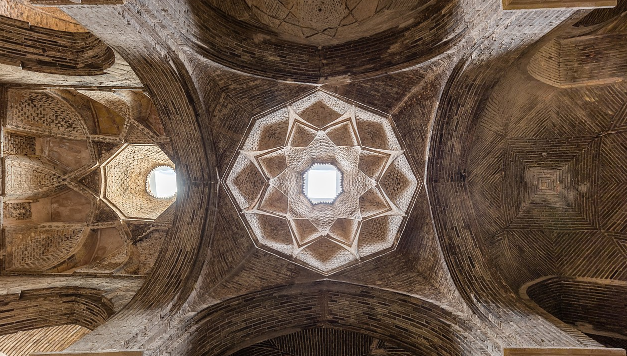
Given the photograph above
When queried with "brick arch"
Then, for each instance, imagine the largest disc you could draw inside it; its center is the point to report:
(37, 308)
(469, 207)
(594, 306)
(323, 341)
(423, 328)
(67, 53)
(256, 49)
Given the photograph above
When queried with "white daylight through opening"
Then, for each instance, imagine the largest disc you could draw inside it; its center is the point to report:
(322, 183)
(162, 182)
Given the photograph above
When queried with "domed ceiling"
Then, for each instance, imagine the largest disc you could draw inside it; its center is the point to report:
(125, 187)
(328, 22)
(476, 155)
(322, 40)
(378, 184)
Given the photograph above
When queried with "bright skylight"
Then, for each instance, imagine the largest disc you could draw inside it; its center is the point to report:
(162, 182)
(322, 183)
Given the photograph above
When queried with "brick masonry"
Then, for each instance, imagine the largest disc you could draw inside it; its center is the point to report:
(513, 119)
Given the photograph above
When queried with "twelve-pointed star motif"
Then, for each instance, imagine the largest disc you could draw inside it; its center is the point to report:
(377, 185)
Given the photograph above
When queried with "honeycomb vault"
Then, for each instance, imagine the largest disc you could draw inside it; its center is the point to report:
(377, 184)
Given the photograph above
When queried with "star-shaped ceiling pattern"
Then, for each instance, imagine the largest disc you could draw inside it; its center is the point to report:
(363, 221)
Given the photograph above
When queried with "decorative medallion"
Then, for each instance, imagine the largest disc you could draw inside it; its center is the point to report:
(323, 183)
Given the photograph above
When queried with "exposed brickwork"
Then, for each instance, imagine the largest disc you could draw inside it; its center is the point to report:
(39, 308)
(48, 17)
(53, 218)
(126, 176)
(19, 144)
(588, 59)
(461, 219)
(17, 211)
(365, 310)
(362, 222)
(47, 50)
(26, 176)
(595, 306)
(43, 113)
(428, 31)
(523, 179)
(53, 338)
(323, 342)
(40, 249)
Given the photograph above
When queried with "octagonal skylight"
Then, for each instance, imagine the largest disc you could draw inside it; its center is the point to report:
(162, 182)
(322, 183)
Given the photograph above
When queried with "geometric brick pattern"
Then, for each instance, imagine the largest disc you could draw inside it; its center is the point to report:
(40, 249)
(556, 183)
(613, 174)
(17, 211)
(508, 180)
(126, 174)
(19, 144)
(43, 113)
(363, 221)
(54, 219)
(548, 180)
(310, 41)
(329, 23)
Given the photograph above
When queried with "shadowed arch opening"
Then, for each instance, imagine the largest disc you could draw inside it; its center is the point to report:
(424, 328)
(594, 306)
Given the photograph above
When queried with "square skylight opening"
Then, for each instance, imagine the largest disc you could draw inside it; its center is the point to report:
(162, 182)
(322, 183)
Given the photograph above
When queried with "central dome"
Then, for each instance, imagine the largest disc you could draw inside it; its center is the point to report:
(323, 183)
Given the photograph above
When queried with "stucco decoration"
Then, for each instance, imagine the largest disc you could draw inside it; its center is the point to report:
(125, 181)
(378, 185)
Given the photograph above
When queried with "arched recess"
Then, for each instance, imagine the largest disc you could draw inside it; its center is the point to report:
(597, 307)
(538, 189)
(49, 42)
(323, 342)
(176, 102)
(38, 308)
(399, 34)
(411, 323)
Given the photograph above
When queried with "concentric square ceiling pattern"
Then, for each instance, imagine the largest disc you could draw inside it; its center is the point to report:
(377, 185)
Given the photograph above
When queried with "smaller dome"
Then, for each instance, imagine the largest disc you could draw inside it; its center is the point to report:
(322, 183)
(161, 182)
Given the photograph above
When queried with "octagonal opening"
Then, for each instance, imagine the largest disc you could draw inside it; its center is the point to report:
(161, 182)
(322, 183)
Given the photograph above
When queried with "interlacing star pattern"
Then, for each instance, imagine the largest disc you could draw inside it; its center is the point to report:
(326, 236)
